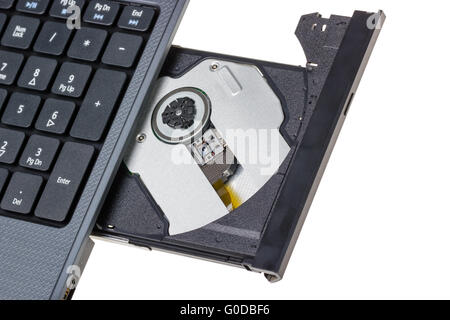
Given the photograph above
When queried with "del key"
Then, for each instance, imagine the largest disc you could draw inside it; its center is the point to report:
(64, 182)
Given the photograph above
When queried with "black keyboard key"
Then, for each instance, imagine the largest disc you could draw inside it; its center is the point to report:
(21, 193)
(21, 110)
(3, 95)
(64, 182)
(55, 116)
(59, 8)
(37, 73)
(39, 153)
(87, 44)
(10, 64)
(136, 18)
(32, 6)
(6, 4)
(122, 50)
(4, 174)
(10, 144)
(20, 32)
(72, 79)
(53, 38)
(2, 21)
(101, 12)
(98, 105)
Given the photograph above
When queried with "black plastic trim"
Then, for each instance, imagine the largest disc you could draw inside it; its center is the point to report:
(311, 157)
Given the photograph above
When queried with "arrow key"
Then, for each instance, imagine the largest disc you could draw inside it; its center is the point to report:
(37, 73)
(55, 116)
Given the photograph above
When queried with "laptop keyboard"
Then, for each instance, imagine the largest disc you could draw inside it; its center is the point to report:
(59, 91)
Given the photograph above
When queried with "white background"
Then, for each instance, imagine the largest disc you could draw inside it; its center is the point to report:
(380, 224)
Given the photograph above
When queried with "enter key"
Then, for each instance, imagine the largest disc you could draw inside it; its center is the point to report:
(64, 182)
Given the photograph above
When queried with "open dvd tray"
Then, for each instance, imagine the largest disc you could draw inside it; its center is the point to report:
(260, 234)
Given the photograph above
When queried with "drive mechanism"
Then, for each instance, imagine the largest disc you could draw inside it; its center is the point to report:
(181, 115)
(212, 141)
